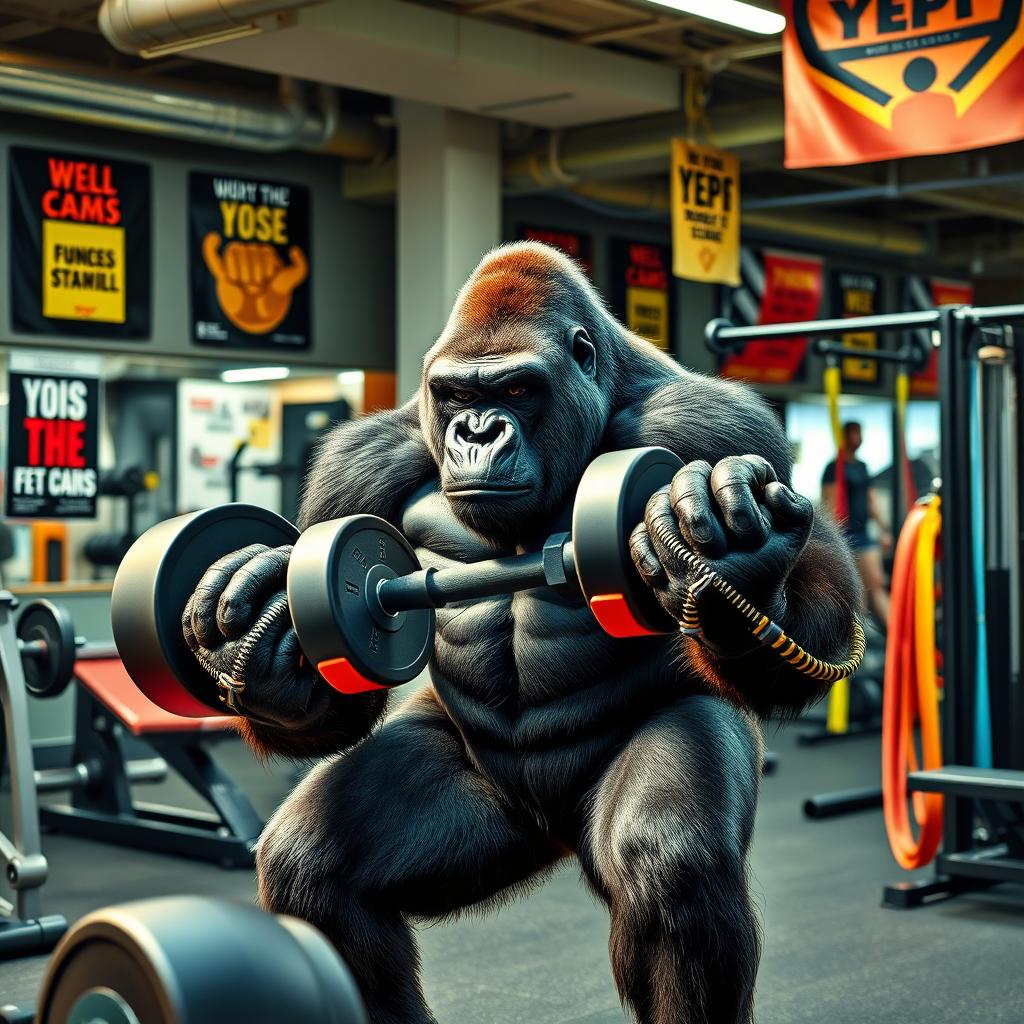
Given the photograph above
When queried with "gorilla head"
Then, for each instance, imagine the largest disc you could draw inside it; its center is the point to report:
(518, 389)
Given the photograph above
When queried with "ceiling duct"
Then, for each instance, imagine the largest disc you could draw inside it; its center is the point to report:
(71, 92)
(154, 28)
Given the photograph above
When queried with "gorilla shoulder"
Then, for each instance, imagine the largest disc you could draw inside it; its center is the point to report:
(368, 465)
(702, 417)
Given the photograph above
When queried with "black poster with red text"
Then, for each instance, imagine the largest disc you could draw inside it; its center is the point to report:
(641, 290)
(53, 415)
(79, 245)
(572, 243)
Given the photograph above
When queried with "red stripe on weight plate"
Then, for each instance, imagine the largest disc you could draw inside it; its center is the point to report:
(340, 674)
(614, 616)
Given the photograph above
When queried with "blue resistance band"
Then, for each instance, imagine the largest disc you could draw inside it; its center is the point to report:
(982, 710)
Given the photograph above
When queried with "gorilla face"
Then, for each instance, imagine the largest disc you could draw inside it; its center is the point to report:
(513, 417)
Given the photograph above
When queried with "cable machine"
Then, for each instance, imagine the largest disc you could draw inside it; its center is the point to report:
(723, 338)
(981, 784)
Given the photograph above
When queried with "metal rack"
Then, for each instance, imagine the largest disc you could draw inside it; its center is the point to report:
(724, 339)
(983, 826)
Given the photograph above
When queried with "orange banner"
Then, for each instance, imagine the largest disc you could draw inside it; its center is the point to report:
(882, 79)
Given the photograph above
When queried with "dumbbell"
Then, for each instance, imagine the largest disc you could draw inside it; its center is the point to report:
(189, 960)
(361, 604)
(47, 645)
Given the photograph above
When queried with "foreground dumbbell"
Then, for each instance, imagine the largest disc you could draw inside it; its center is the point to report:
(187, 960)
(361, 604)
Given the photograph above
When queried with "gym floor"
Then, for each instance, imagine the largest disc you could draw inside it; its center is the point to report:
(831, 953)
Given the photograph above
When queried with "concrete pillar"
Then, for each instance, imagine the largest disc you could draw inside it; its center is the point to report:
(449, 215)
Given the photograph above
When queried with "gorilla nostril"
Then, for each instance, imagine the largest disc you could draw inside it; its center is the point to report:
(481, 433)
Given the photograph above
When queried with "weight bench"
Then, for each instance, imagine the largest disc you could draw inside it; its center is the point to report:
(109, 710)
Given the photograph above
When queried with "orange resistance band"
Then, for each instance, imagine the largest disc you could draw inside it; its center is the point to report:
(911, 690)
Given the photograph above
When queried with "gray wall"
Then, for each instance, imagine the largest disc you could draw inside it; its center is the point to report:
(352, 265)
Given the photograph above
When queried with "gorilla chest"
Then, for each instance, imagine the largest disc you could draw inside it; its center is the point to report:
(516, 665)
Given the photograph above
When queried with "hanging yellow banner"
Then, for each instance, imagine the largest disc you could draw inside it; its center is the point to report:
(705, 198)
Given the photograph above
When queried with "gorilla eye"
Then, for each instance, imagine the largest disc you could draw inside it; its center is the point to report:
(462, 396)
(515, 391)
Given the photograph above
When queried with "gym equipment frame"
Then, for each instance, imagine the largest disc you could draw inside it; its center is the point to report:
(723, 338)
(983, 815)
(983, 811)
(24, 929)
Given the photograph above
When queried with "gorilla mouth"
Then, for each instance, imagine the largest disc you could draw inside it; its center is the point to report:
(486, 490)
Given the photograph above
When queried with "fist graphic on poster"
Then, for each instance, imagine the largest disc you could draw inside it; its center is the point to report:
(254, 286)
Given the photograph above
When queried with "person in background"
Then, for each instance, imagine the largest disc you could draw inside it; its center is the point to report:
(862, 505)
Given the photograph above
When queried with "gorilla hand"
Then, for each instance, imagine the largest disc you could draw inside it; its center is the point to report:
(744, 524)
(238, 627)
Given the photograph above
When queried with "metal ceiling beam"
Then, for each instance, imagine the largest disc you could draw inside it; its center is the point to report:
(22, 30)
(493, 6)
(630, 30)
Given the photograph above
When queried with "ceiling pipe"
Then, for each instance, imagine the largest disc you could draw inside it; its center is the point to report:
(72, 92)
(602, 150)
(154, 28)
(874, 234)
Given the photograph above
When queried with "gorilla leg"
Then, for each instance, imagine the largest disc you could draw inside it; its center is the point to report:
(665, 845)
(401, 826)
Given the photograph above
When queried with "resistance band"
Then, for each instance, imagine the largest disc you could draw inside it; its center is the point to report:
(982, 714)
(833, 385)
(902, 400)
(768, 632)
(911, 690)
(837, 712)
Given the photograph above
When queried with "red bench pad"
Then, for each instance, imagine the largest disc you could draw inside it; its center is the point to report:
(108, 681)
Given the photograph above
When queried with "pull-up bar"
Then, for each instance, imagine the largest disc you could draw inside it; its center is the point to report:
(986, 314)
(723, 337)
(914, 356)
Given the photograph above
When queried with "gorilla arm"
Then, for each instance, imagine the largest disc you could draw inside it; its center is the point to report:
(366, 465)
(732, 505)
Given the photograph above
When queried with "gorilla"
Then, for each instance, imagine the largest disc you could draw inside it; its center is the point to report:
(539, 737)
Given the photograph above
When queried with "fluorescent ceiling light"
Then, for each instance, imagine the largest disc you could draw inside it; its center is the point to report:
(730, 12)
(251, 373)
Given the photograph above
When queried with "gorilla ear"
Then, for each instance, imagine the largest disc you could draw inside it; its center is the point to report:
(583, 351)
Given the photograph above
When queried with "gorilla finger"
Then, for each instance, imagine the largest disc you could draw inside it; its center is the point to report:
(208, 591)
(789, 510)
(642, 552)
(734, 483)
(690, 496)
(249, 588)
(268, 658)
(663, 531)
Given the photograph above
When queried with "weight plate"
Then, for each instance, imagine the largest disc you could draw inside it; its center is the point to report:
(48, 654)
(152, 586)
(332, 579)
(188, 960)
(610, 501)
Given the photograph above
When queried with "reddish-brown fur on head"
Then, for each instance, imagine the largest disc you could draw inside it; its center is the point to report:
(514, 282)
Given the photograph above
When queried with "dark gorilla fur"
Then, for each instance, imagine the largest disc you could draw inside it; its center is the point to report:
(541, 737)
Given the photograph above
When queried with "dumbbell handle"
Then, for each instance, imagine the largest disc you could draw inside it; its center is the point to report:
(553, 566)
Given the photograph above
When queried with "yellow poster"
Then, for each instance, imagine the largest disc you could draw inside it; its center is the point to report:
(705, 198)
(647, 315)
(83, 271)
(860, 369)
